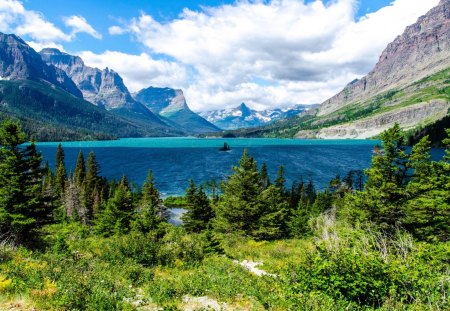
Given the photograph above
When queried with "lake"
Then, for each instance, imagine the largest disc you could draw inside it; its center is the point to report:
(176, 160)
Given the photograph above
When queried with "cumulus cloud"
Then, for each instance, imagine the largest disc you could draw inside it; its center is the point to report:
(305, 52)
(33, 26)
(79, 24)
(139, 71)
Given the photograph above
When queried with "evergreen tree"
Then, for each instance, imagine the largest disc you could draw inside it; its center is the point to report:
(116, 216)
(280, 180)
(384, 193)
(427, 210)
(60, 172)
(80, 170)
(22, 205)
(91, 183)
(199, 214)
(240, 208)
(265, 176)
(151, 210)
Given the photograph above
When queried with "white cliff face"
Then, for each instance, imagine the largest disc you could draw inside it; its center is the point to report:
(423, 49)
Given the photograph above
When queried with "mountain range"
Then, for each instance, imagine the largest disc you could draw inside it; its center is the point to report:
(245, 117)
(409, 85)
(57, 97)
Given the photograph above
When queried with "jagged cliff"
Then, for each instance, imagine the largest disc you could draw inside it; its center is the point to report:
(171, 105)
(103, 88)
(18, 61)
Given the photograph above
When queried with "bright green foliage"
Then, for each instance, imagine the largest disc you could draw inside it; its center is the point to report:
(22, 208)
(239, 209)
(199, 214)
(116, 216)
(151, 210)
(280, 180)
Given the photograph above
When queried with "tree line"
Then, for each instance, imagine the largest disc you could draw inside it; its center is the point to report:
(400, 190)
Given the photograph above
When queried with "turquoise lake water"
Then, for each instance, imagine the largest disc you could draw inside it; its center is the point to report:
(176, 160)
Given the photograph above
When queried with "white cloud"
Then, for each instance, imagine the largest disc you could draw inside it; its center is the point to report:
(139, 71)
(35, 28)
(79, 24)
(306, 52)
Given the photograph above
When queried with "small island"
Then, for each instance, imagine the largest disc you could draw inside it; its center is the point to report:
(225, 147)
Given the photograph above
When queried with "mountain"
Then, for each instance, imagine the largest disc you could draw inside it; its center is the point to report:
(49, 104)
(104, 88)
(19, 61)
(409, 85)
(171, 105)
(244, 117)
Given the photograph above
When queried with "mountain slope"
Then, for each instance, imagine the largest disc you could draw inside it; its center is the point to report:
(103, 88)
(410, 85)
(19, 61)
(171, 105)
(244, 117)
(49, 113)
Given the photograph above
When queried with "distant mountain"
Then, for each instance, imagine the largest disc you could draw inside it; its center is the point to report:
(19, 61)
(171, 105)
(103, 88)
(409, 85)
(244, 117)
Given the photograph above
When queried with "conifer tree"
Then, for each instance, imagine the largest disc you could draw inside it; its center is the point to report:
(151, 210)
(199, 214)
(91, 183)
(116, 216)
(240, 208)
(265, 176)
(60, 172)
(80, 170)
(22, 208)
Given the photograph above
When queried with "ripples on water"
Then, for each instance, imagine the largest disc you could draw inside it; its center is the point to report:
(176, 160)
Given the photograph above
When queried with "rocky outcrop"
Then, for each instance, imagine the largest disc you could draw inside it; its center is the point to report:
(408, 117)
(171, 105)
(423, 49)
(18, 61)
(104, 88)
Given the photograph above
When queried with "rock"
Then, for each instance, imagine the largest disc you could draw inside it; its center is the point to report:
(18, 61)
(171, 105)
(423, 49)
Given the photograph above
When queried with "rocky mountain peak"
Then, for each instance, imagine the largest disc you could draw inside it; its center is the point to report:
(19, 61)
(246, 111)
(162, 100)
(423, 49)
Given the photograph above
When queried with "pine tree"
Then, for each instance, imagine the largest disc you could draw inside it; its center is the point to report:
(240, 208)
(265, 176)
(199, 214)
(80, 170)
(427, 210)
(280, 180)
(116, 216)
(151, 210)
(60, 172)
(91, 183)
(384, 192)
(22, 205)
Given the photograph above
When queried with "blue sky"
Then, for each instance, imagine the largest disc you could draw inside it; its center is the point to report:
(113, 10)
(267, 53)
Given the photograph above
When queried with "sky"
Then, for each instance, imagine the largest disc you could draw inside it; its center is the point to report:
(266, 53)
